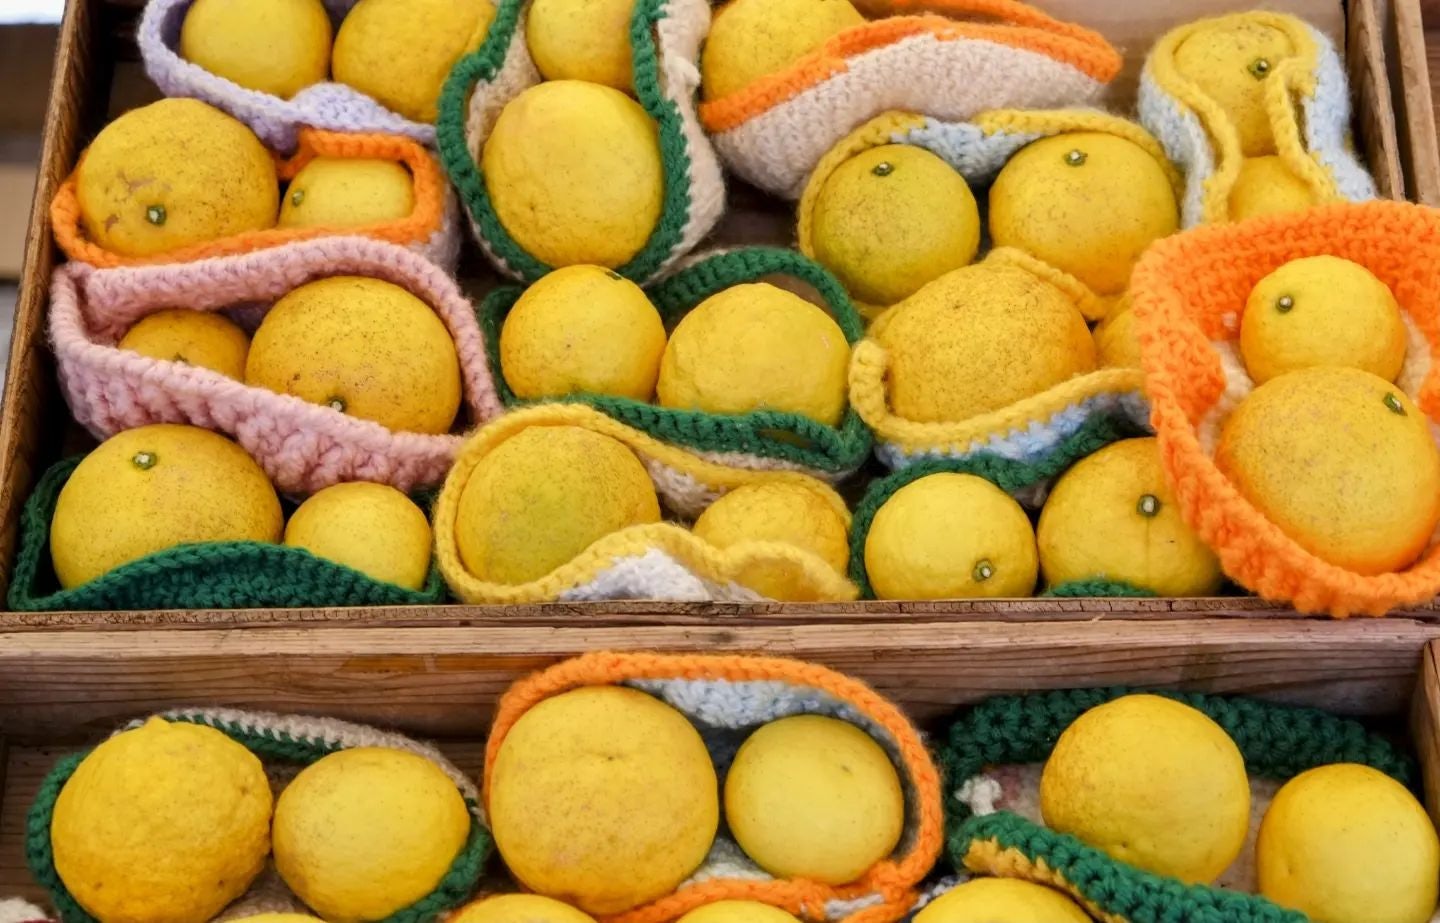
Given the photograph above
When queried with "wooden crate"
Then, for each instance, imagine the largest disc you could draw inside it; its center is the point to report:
(97, 75)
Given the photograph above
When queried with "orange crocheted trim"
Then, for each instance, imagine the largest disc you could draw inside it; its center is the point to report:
(893, 879)
(1022, 27)
(422, 222)
(1187, 291)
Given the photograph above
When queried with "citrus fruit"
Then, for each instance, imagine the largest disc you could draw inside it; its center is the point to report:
(543, 496)
(1088, 203)
(197, 338)
(751, 38)
(1153, 783)
(148, 489)
(519, 908)
(1231, 64)
(605, 796)
(1321, 310)
(278, 918)
(1341, 461)
(981, 900)
(372, 528)
(1120, 492)
(947, 536)
(367, 831)
(787, 513)
(341, 192)
(165, 823)
(737, 912)
(815, 798)
(892, 218)
(756, 347)
(582, 330)
(1116, 345)
(582, 40)
(278, 47)
(574, 172)
(1266, 186)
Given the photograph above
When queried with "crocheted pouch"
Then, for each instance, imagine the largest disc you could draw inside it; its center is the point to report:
(948, 58)
(977, 149)
(216, 575)
(659, 560)
(1307, 103)
(282, 742)
(278, 122)
(987, 743)
(665, 37)
(302, 446)
(432, 228)
(727, 697)
(760, 439)
(1188, 293)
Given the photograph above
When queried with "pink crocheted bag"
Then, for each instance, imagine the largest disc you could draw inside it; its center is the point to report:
(302, 446)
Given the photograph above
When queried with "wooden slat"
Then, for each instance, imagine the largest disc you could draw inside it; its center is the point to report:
(1407, 56)
(1425, 727)
(1370, 87)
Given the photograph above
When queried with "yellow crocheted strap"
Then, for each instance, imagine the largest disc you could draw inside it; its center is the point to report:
(988, 857)
(814, 579)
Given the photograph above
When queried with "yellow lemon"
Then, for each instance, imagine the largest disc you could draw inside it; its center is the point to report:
(148, 489)
(1341, 461)
(1231, 64)
(892, 218)
(278, 918)
(401, 51)
(519, 908)
(1321, 310)
(737, 912)
(165, 823)
(982, 900)
(979, 339)
(273, 46)
(1085, 202)
(210, 341)
(1152, 782)
(787, 513)
(948, 536)
(362, 833)
(756, 347)
(372, 528)
(1348, 844)
(1121, 493)
(604, 796)
(751, 38)
(543, 496)
(582, 330)
(582, 40)
(814, 797)
(573, 170)
(364, 347)
(339, 192)
(1116, 345)
(1266, 186)
(174, 173)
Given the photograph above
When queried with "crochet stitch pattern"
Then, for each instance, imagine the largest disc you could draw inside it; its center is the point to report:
(1277, 742)
(756, 440)
(217, 575)
(946, 58)
(658, 560)
(291, 739)
(431, 228)
(1188, 292)
(665, 38)
(303, 447)
(740, 692)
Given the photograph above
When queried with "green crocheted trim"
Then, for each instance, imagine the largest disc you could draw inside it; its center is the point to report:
(484, 64)
(765, 433)
(274, 745)
(217, 575)
(1008, 474)
(1098, 587)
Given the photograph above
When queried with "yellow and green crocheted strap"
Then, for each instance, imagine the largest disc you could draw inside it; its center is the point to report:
(1277, 741)
(685, 562)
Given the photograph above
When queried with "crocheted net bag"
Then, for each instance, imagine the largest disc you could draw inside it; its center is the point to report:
(1188, 294)
(727, 697)
(432, 228)
(1003, 734)
(303, 447)
(661, 560)
(758, 440)
(281, 742)
(946, 58)
(279, 122)
(665, 37)
(1307, 102)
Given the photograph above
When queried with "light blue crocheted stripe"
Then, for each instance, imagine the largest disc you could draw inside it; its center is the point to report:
(976, 155)
(1327, 122)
